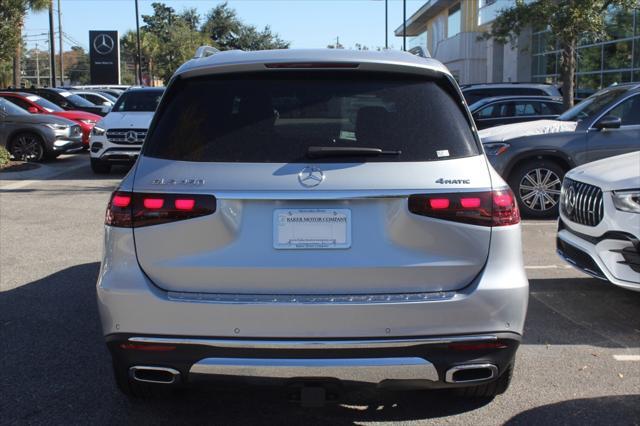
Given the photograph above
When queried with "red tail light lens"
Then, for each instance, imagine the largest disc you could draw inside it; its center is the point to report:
(491, 208)
(133, 210)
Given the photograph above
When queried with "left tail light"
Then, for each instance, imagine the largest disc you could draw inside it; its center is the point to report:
(135, 209)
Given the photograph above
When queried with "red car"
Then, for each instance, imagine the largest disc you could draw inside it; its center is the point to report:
(37, 105)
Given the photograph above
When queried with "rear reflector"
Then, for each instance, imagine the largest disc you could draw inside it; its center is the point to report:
(132, 210)
(476, 346)
(148, 348)
(491, 208)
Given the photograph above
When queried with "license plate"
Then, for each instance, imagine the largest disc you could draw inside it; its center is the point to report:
(312, 228)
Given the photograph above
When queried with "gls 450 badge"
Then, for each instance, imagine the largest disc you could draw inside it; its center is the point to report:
(189, 181)
(454, 181)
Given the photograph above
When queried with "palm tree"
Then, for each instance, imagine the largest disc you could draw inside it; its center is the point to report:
(23, 7)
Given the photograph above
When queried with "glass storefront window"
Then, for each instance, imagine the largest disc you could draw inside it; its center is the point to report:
(590, 59)
(549, 63)
(588, 85)
(610, 78)
(636, 53)
(617, 55)
(454, 21)
(618, 23)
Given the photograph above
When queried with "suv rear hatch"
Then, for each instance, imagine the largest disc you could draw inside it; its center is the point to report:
(300, 206)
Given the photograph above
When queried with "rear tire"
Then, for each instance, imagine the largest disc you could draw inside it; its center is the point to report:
(488, 390)
(536, 185)
(100, 167)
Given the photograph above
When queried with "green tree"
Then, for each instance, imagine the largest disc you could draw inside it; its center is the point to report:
(226, 31)
(12, 13)
(568, 21)
(78, 69)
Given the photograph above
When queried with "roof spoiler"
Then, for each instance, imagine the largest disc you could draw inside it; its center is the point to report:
(205, 51)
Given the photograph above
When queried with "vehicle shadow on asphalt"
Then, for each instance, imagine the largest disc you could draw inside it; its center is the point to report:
(587, 411)
(56, 369)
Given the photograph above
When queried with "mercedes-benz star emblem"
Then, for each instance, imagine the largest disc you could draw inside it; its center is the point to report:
(310, 176)
(103, 44)
(570, 199)
(131, 136)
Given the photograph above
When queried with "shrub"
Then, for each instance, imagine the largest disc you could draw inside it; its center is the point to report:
(4, 156)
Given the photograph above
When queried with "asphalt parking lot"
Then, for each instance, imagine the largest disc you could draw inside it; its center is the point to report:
(579, 362)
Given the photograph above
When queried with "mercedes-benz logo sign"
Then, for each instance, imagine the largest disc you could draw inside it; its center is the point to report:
(131, 136)
(310, 176)
(103, 44)
(570, 200)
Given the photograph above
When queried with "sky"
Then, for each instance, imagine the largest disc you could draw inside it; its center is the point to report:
(304, 23)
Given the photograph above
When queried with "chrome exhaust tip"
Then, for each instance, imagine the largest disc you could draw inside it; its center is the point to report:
(161, 375)
(471, 373)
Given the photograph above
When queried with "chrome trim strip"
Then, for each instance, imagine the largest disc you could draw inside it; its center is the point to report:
(349, 299)
(314, 344)
(450, 372)
(371, 370)
(175, 374)
(306, 194)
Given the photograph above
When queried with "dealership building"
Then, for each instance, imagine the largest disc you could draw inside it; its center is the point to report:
(451, 30)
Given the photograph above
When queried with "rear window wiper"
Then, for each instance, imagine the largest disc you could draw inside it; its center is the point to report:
(347, 151)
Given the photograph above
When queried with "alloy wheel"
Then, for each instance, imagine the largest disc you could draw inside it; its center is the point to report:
(539, 189)
(27, 148)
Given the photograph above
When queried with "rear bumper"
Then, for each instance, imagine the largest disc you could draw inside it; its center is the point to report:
(435, 362)
(496, 301)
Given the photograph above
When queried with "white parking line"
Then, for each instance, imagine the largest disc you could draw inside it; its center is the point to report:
(626, 357)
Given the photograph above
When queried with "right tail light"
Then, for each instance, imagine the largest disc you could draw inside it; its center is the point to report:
(490, 208)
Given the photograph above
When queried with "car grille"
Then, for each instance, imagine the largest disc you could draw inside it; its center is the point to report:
(126, 136)
(581, 203)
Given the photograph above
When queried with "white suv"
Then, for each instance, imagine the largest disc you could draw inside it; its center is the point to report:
(310, 215)
(599, 226)
(117, 138)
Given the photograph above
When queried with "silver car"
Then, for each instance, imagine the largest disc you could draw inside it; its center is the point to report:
(320, 214)
(34, 137)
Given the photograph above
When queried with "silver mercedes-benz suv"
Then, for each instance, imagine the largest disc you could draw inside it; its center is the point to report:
(320, 214)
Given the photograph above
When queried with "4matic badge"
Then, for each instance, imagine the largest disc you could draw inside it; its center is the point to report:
(454, 181)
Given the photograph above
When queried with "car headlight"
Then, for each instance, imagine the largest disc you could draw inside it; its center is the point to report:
(627, 201)
(98, 131)
(496, 148)
(55, 126)
(89, 122)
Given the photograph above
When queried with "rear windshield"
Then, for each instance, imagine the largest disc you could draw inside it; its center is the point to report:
(143, 101)
(276, 117)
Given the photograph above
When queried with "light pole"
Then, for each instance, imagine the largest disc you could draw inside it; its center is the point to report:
(404, 24)
(386, 24)
(139, 55)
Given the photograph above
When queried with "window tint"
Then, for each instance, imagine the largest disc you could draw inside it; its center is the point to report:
(141, 101)
(48, 105)
(628, 111)
(592, 105)
(7, 108)
(548, 108)
(523, 109)
(17, 101)
(275, 117)
(487, 112)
